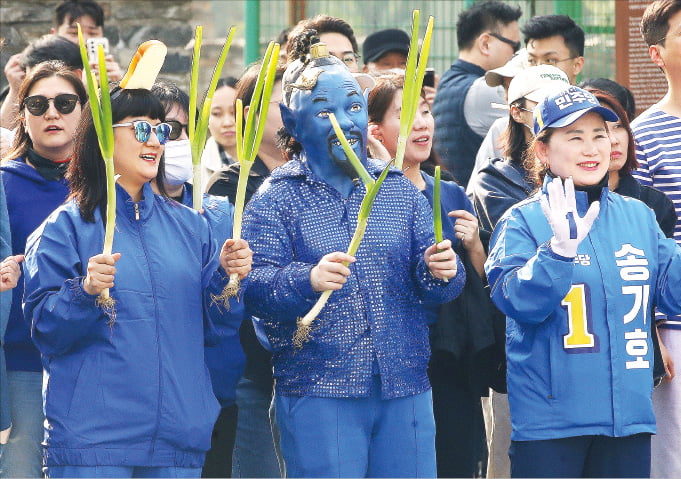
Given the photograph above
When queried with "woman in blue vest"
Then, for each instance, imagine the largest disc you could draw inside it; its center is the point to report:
(130, 395)
(577, 274)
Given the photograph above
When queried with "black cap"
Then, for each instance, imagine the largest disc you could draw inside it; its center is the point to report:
(379, 43)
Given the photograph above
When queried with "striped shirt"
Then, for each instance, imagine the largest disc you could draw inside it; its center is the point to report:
(658, 151)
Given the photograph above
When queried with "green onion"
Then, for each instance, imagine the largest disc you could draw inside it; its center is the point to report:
(413, 83)
(437, 210)
(248, 144)
(101, 117)
(198, 130)
(372, 186)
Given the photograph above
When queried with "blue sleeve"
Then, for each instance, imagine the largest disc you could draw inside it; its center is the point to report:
(668, 290)
(61, 313)
(431, 290)
(527, 280)
(278, 286)
(220, 321)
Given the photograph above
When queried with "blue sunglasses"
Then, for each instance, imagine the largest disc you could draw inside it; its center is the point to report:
(143, 130)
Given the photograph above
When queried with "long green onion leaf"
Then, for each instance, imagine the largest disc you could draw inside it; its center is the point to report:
(302, 334)
(199, 134)
(100, 105)
(437, 209)
(413, 83)
(350, 153)
(248, 141)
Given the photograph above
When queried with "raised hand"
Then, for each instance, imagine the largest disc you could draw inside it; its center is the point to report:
(560, 209)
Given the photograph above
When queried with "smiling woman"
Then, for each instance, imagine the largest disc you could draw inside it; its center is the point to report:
(149, 364)
(577, 284)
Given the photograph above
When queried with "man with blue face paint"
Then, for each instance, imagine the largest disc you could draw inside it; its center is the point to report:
(354, 400)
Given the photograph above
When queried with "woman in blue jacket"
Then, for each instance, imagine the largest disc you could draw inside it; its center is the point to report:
(32, 173)
(132, 398)
(577, 274)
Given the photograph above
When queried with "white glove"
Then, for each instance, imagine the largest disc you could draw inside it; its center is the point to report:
(560, 209)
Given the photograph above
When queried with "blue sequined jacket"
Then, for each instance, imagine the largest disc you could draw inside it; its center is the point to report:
(377, 322)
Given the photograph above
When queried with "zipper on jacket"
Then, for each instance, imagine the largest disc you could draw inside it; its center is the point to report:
(137, 211)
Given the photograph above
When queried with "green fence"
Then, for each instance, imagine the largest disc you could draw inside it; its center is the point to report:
(597, 17)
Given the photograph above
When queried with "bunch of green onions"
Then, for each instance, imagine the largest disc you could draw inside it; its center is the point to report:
(101, 117)
(413, 83)
(437, 209)
(372, 186)
(248, 144)
(198, 130)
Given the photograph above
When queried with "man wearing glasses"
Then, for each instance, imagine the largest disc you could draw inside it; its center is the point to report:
(555, 40)
(487, 36)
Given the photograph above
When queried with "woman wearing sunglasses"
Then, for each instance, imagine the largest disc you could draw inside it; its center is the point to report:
(577, 270)
(130, 395)
(51, 98)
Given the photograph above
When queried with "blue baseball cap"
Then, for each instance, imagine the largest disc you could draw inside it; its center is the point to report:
(567, 106)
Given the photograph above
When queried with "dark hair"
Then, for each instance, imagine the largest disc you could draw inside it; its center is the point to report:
(170, 94)
(322, 24)
(609, 101)
(621, 93)
(229, 81)
(246, 85)
(380, 99)
(512, 140)
(483, 17)
(22, 141)
(536, 171)
(655, 20)
(282, 38)
(76, 9)
(545, 26)
(52, 47)
(86, 172)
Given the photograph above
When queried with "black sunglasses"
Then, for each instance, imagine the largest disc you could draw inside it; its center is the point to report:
(175, 129)
(38, 104)
(501, 38)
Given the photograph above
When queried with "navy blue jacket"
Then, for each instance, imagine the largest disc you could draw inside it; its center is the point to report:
(137, 393)
(455, 141)
(30, 199)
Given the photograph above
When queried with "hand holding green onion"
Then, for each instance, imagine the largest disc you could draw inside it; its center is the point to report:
(101, 117)
(248, 144)
(340, 260)
(413, 83)
(198, 130)
(437, 208)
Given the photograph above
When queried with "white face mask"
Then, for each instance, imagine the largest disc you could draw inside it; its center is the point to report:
(178, 162)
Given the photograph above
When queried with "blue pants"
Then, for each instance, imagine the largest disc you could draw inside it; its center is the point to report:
(121, 471)
(22, 455)
(582, 456)
(357, 437)
(254, 450)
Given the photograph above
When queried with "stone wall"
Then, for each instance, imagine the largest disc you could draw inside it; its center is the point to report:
(129, 23)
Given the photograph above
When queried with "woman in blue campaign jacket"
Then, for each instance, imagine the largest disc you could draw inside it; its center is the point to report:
(578, 274)
(128, 396)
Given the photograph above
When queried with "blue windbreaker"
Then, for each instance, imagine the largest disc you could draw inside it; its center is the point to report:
(138, 393)
(578, 343)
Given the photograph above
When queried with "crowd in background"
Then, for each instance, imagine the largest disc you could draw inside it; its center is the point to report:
(538, 339)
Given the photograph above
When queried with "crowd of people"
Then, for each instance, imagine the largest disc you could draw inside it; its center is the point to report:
(537, 338)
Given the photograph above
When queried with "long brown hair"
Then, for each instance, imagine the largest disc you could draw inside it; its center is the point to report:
(22, 141)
